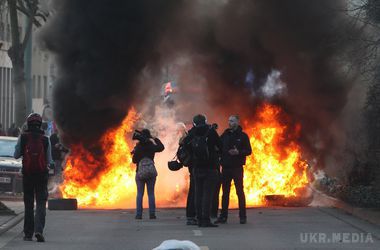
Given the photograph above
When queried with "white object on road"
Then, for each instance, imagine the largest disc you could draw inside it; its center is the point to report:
(177, 244)
(197, 233)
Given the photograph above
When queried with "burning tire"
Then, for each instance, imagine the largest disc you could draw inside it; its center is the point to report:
(62, 204)
(281, 200)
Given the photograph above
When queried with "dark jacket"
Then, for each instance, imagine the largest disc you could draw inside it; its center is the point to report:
(57, 149)
(146, 149)
(214, 146)
(238, 139)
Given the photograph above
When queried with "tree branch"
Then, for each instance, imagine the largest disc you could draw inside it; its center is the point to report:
(26, 13)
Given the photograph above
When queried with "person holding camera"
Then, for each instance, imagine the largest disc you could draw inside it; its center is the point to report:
(146, 173)
(202, 143)
(236, 147)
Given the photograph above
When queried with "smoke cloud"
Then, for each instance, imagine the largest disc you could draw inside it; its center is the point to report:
(101, 48)
(111, 55)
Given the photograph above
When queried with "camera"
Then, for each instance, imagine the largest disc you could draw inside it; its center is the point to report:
(139, 136)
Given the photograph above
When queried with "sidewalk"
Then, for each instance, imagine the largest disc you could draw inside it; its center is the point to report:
(7, 221)
(371, 215)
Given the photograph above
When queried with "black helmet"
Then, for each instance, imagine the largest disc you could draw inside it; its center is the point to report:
(174, 165)
(199, 120)
(34, 119)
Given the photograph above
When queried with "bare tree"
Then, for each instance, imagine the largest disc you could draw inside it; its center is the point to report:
(368, 13)
(30, 9)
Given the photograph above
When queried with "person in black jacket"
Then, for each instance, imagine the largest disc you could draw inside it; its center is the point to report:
(35, 149)
(190, 201)
(58, 152)
(203, 143)
(147, 147)
(236, 147)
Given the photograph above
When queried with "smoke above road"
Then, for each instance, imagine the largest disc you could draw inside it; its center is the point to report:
(294, 53)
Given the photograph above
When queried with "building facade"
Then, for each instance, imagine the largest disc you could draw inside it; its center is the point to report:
(39, 72)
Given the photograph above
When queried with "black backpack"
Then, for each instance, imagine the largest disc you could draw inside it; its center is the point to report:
(199, 146)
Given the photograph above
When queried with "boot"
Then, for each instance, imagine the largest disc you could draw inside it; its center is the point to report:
(221, 220)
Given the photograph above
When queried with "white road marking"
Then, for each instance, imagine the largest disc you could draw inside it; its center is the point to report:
(197, 233)
(204, 248)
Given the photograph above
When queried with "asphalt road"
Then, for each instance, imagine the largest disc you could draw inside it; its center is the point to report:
(267, 228)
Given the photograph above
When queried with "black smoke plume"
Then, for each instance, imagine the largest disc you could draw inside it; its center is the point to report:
(310, 42)
(103, 48)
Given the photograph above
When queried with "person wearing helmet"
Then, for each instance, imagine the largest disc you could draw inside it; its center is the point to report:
(35, 150)
(203, 143)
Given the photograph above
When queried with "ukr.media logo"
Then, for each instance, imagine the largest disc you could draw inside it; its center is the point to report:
(323, 238)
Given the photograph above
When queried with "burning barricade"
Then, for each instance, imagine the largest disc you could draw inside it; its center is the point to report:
(275, 173)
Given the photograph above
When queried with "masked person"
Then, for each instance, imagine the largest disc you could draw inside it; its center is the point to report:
(143, 157)
(35, 150)
(236, 147)
(203, 142)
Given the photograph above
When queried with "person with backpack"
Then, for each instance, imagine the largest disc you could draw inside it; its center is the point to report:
(236, 147)
(203, 142)
(35, 150)
(146, 173)
(184, 157)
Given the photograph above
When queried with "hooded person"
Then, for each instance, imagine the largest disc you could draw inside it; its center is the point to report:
(203, 143)
(34, 148)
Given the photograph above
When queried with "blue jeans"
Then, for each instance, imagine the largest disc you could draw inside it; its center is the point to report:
(140, 194)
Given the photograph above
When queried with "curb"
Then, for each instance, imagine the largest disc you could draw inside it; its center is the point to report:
(11, 223)
(363, 213)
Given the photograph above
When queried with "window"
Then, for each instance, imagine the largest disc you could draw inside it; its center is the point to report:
(45, 57)
(34, 87)
(45, 87)
(39, 94)
(8, 34)
(2, 35)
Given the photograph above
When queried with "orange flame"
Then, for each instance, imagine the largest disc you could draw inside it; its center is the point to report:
(107, 180)
(275, 166)
(116, 181)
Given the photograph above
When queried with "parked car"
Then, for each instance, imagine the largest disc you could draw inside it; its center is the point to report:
(10, 168)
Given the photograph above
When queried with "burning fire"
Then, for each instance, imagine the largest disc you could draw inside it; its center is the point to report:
(107, 179)
(275, 166)
(116, 180)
